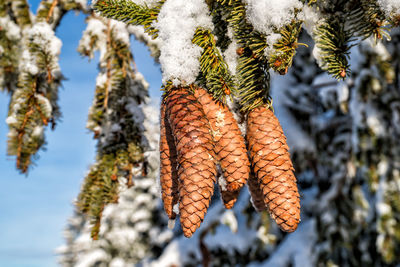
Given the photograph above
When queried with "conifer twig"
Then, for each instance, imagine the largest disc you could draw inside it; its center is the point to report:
(52, 7)
(108, 66)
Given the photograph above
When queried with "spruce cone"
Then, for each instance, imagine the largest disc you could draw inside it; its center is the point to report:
(195, 147)
(228, 198)
(230, 148)
(168, 166)
(273, 167)
(257, 196)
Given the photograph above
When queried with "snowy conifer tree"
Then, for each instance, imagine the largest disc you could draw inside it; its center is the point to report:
(132, 230)
(343, 135)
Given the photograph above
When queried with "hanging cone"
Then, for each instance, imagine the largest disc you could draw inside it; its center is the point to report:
(273, 167)
(230, 148)
(168, 166)
(197, 169)
(257, 196)
(228, 198)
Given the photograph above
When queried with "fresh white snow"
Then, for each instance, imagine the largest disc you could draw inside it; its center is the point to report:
(177, 24)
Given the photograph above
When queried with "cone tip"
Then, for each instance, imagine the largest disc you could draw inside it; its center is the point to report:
(171, 224)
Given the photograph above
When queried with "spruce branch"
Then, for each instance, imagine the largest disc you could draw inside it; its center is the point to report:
(130, 13)
(4, 7)
(366, 19)
(310, 2)
(34, 101)
(112, 118)
(100, 188)
(253, 82)
(50, 11)
(89, 42)
(242, 29)
(10, 43)
(29, 113)
(284, 50)
(226, 2)
(21, 11)
(214, 70)
(252, 69)
(219, 14)
(333, 42)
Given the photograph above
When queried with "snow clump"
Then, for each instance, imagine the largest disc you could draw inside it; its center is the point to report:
(390, 6)
(268, 14)
(177, 24)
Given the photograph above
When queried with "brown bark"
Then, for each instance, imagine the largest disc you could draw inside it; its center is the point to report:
(168, 166)
(273, 168)
(230, 148)
(195, 147)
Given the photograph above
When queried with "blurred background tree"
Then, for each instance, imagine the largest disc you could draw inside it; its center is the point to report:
(343, 135)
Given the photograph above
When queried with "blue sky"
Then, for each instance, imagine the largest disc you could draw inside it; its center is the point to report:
(34, 208)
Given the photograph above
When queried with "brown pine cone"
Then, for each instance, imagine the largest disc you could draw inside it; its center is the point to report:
(230, 148)
(273, 168)
(228, 198)
(257, 196)
(168, 166)
(195, 147)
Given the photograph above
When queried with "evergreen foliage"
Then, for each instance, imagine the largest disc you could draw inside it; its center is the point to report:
(333, 41)
(344, 132)
(334, 37)
(114, 118)
(130, 13)
(9, 51)
(30, 72)
(21, 10)
(252, 68)
(214, 72)
(285, 48)
(348, 164)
